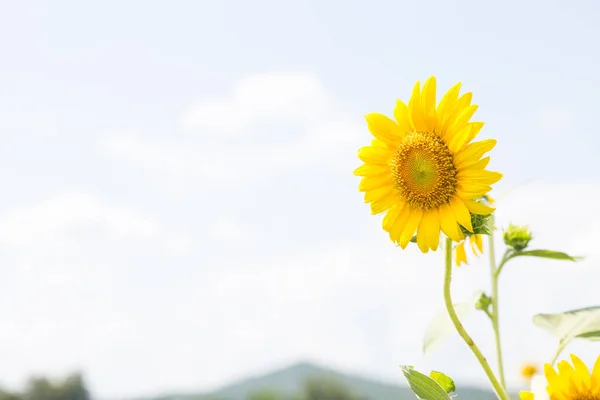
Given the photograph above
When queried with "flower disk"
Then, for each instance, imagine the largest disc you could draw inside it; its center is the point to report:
(571, 382)
(422, 170)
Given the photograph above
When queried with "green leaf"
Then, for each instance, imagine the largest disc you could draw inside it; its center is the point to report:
(443, 380)
(423, 386)
(556, 255)
(583, 323)
(441, 327)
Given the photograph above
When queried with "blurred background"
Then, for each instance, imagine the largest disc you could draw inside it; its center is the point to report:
(179, 216)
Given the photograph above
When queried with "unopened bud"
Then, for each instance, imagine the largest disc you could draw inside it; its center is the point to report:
(480, 223)
(483, 303)
(517, 237)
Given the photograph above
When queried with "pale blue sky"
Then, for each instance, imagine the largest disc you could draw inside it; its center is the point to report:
(178, 203)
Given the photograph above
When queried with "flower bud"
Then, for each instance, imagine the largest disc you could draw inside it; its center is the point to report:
(483, 302)
(480, 223)
(517, 237)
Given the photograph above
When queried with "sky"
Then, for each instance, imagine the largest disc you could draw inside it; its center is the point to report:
(179, 210)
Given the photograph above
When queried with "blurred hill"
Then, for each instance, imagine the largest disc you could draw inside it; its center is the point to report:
(288, 382)
(41, 388)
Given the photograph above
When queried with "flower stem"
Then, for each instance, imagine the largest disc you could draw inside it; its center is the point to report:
(561, 347)
(500, 392)
(495, 274)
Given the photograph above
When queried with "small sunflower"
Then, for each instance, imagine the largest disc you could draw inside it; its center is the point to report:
(476, 242)
(528, 371)
(571, 382)
(422, 169)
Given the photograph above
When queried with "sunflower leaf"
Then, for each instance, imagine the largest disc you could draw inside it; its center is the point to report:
(555, 255)
(583, 323)
(441, 327)
(423, 386)
(443, 380)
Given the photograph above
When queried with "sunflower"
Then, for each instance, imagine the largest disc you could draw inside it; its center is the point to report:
(476, 242)
(529, 371)
(571, 382)
(422, 169)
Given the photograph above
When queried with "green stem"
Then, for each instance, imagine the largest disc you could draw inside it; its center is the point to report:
(500, 392)
(561, 347)
(489, 314)
(495, 274)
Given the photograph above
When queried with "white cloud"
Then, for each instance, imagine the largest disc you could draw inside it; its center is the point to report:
(54, 222)
(61, 221)
(290, 118)
(267, 96)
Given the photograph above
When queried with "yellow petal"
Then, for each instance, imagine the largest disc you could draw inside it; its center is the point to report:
(461, 119)
(428, 236)
(414, 109)
(411, 226)
(557, 385)
(526, 396)
(449, 117)
(478, 242)
(478, 208)
(551, 376)
(565, 370)
(428, 103)
(456, 141)
(581, 371)
(595, 381)
(421, 239)
(463, 101)
(402, 117)
(376, 194)
(375, 155)
(481, 164)
(471, 190)
(374, 182)
(378, 143)
(461, 213)
(448, 100)
(478, 176)
(476, 128)
(461, 255)
(400, 223)
(371, 170)
(448, 223)
(385, 203)
(463, 136)
(384, 129)
(390, 217)
(472, 153)
(473, 245)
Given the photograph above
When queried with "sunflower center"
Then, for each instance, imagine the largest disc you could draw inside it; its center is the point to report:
(424, 171)
(585, 397)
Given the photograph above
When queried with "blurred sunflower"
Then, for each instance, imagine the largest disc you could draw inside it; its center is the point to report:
(422, 169)
(528, 371)
(476, 242)
(571, 382)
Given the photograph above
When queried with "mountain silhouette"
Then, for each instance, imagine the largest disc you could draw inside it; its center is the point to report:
(289, 380)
